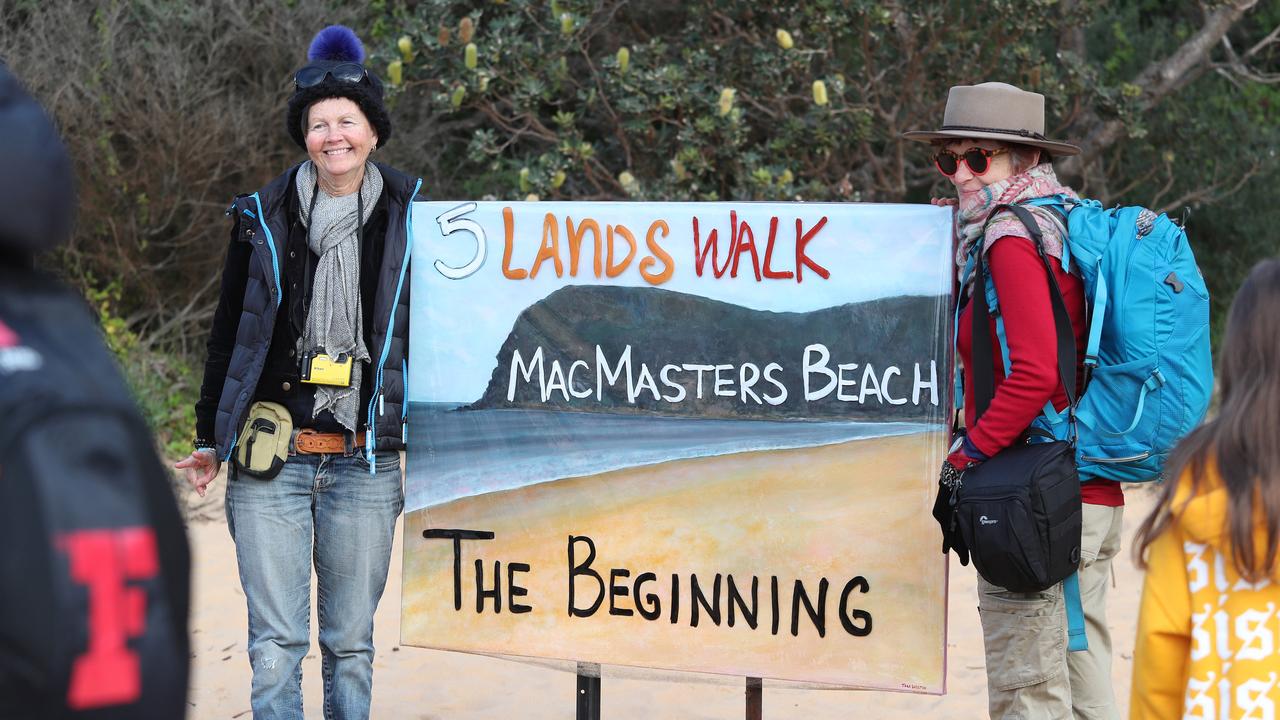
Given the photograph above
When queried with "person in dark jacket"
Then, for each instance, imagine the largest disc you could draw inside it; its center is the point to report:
(304, 385)
(992, 148)
(94, 571)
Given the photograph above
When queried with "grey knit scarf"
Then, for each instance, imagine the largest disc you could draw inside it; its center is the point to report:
(335, 319)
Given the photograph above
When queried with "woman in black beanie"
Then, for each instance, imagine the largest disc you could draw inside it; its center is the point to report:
(303, 388)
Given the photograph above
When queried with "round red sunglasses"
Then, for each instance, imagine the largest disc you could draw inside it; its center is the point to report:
(977, 158)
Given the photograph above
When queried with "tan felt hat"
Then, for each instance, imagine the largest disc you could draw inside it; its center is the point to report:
(994, 111)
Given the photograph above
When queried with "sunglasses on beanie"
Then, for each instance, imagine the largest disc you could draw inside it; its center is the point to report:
(312, 75)
(978, 159)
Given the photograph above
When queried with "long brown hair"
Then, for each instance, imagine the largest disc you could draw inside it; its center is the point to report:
(1243, 440)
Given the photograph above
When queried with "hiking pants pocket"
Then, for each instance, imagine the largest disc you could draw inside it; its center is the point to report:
(1024, 636)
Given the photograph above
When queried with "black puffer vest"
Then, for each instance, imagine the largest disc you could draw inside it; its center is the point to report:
(261, 220)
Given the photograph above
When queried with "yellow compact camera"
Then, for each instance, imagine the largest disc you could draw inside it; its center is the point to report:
(321, 369)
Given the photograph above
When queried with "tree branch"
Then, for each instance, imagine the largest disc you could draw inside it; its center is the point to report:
(1163, 77)
(1210, 192)
(1239, 66)
(1073, 40)
(1264, 42)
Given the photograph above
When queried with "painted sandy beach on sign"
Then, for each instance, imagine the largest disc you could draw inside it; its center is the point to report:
(773, 513)
(472, 452)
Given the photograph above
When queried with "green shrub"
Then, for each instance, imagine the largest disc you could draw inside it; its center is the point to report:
(165, 383)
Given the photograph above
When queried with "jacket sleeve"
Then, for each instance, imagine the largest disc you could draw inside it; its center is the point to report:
(1162, 648)
(222, 336)
(1023, 289)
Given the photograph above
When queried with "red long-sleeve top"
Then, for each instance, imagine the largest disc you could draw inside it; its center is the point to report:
(1023, 289)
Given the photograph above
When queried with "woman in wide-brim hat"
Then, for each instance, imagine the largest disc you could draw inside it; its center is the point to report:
(311, 330)
(992, 147)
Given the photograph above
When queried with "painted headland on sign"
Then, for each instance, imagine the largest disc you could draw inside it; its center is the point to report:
(695, 437)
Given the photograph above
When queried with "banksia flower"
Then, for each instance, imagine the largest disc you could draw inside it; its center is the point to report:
(469, 56)
(820, 92)
(726, 100)
(784, 39)
(459, 94)
(466, 29)
(443, 35)
(394, 72)
(566, 24)
(406, 48)
(558, 179)
(524, 180)
(624, 60)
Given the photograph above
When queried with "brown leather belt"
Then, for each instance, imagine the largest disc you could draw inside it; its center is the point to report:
(310, 442)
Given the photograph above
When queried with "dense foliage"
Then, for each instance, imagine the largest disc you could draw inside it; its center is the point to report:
(170, 108)
(710, 100)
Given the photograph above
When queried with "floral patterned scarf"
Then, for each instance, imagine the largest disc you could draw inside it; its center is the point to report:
(976, 207)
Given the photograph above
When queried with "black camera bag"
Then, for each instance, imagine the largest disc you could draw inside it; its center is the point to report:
(1019, 513)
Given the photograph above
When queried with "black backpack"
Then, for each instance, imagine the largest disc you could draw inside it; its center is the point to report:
(94, 561)
(1019, 513)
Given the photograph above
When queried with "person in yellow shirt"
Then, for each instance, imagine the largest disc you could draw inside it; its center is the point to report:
(1208, 642)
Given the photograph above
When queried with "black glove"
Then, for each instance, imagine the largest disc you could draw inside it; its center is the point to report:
(944, 513)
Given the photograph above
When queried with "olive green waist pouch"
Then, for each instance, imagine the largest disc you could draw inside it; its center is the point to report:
(264, 440)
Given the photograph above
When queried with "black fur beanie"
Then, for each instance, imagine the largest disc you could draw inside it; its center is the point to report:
(334, 46)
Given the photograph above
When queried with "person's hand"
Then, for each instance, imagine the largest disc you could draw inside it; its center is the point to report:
(964, 454)
(201, 467)
(944, 202)
(960, 460)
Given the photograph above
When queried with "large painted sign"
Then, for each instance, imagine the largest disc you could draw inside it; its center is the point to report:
(687, 436)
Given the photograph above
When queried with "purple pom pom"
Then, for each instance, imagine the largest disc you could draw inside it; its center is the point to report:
(336, 43)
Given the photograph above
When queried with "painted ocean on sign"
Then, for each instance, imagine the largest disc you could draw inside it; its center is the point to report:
(460, 452)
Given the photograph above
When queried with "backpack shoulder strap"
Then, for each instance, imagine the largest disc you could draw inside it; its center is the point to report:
(984, 382)
(1059, 202)
(1076, 638)
(1059, 207)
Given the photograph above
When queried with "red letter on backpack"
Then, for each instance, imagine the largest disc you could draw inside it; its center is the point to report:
(108, 672)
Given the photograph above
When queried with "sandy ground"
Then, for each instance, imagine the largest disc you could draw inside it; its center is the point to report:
(423, 684)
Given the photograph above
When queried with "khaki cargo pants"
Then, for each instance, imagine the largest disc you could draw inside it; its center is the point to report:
(1030, 674)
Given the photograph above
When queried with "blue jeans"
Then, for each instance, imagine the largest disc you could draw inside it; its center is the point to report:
(330, 510)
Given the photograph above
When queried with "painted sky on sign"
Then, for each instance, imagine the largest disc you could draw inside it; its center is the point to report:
(459, 325)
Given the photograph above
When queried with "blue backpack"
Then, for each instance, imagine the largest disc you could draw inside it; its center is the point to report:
(1148, 369)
